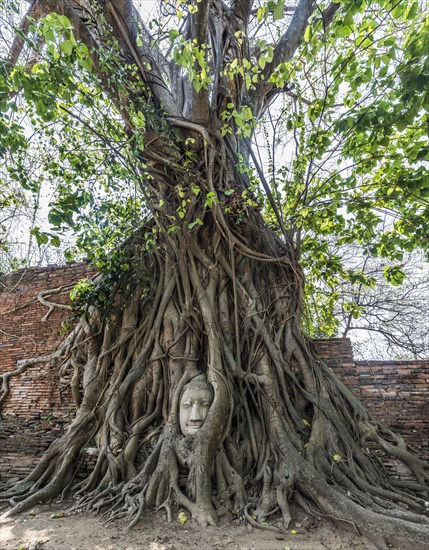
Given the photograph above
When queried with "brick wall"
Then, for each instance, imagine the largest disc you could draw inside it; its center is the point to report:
(24, 333)
(397, 394)
(338, 354)
(39, 405)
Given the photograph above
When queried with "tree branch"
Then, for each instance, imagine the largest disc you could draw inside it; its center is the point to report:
(287, 46)
(129, 26)
(34, 13)
(197, 104)
(79, 27)
(242, 9)
(126, 25)
(52, 305)
(290, 40)
(328, 14)
(284, 50)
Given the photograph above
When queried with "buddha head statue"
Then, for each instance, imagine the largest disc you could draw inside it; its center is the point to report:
(195, 401)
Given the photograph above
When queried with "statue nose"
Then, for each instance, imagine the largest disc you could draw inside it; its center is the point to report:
(195, 412)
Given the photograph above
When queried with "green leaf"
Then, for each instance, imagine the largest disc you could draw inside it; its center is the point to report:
(394, 275)
(348, 19)
(66, 47)
(86, 63)
(198, 221)
(307, 34)
(398, 10)
(342, 31)
(173, 34)
(41, 238)
(65, 22)
(401, 124)
(182, 518)
(55, 240)
(278, 10)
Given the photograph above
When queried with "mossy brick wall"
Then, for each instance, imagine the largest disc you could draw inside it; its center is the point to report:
(38, 391)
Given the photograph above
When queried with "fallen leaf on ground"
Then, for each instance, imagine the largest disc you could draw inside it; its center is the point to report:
(182, 517)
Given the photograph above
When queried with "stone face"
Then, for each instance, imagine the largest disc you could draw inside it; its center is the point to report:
(39, 405)
(195, 402)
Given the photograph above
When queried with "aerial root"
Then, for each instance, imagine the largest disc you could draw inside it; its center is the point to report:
(304, 505)
(167, 506)
(142, 505)
(107, 497)
(281, 496)
(269, 514)
(229, 483)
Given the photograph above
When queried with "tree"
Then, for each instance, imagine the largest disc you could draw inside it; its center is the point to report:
(384, 320)
(204, 285)
(396, 314)
(10, 212)
(20, 197)
(19, 221)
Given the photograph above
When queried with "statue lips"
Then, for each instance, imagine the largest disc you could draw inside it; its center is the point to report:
(194, 426)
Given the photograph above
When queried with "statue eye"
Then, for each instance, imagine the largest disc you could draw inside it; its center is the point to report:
(186, 404)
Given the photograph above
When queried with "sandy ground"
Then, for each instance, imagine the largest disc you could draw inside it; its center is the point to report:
(37, 530)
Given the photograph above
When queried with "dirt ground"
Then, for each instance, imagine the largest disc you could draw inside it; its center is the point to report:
(38, 530)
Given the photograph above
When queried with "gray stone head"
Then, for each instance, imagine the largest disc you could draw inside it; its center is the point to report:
(195, 401)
